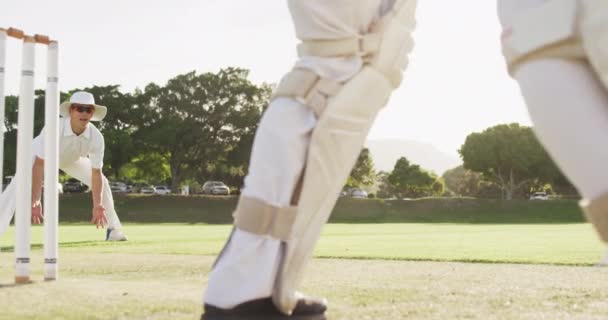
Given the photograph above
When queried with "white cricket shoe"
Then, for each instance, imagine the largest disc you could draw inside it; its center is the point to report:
(604, 261)
(115, 235)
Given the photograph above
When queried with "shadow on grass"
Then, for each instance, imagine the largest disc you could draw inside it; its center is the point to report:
(72, 244)
(463, 260)
(15, 285)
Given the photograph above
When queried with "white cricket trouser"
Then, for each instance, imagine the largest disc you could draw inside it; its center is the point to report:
(248, 266)
(569, 108)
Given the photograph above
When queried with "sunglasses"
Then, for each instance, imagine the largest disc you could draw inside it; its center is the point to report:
(81, 109)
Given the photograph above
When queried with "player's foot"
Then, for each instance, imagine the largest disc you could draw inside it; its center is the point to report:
(604, 261)
(115, 235)
(306, 309)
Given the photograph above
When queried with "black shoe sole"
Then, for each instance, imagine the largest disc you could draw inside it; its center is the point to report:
(264, 309)
(263, 317)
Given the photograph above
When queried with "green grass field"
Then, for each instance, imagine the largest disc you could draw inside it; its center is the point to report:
(568, 244)
(368, 271)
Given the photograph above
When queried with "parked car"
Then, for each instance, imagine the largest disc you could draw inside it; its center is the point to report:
(215, 188)
(117, 186)
(9, 178)
(136, 187)
(539, 196)
(74, 186)
(147, 190)
(162, 190)
(358, 193)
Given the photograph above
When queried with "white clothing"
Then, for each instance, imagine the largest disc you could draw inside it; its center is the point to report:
(248, 265)
(78, 156)
(89, 143)
(569, 108)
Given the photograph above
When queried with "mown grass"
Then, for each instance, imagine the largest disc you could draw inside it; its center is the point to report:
(163, 286)
(386, 260)
(567, 244)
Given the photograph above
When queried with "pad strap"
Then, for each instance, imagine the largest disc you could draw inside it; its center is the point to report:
(363, 45)
(308, 88)
(570, 49)
(258, 217)
(546, 31)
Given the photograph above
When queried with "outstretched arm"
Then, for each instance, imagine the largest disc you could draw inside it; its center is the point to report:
(99, 212)
(37, 176)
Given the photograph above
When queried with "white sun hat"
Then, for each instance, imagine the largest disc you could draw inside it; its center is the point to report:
(83, 97)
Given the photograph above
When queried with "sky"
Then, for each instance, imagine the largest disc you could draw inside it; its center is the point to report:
(456, 83)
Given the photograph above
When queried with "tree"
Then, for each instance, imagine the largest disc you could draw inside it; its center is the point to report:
(10, 137)
(438, 187)
(463, 182)
(385, 189)
(363, 173)
(409, 180)
(233, 167)
(149, 167)
(196, 120)
(508, 155)
(10, 121)
(561, 185)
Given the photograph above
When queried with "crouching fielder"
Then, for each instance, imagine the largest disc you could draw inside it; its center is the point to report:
(351, 57)
(81, 148)
(557, 50)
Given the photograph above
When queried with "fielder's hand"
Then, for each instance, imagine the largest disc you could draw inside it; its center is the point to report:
(37, 214)
(99, 217)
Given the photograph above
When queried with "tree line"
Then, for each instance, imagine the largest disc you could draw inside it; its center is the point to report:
(198, 126)
(504, 161)
(201, 126)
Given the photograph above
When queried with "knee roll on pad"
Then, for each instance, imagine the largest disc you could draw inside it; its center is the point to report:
(561, 29)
